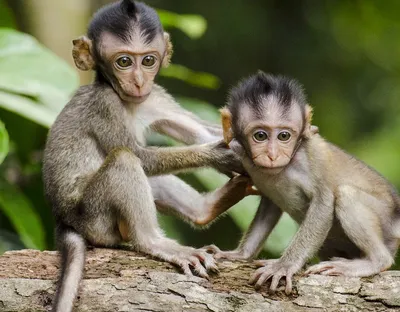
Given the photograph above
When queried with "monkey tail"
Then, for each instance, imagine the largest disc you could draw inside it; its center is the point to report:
(73, 251)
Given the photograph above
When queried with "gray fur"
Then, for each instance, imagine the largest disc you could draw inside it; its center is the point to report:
(96, 170)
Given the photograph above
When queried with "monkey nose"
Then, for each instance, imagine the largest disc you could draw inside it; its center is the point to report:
(272, 157)
(138, 83)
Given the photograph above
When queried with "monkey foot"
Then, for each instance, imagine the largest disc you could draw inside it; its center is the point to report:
(346, 267)
(274, 269)
(193, 261)
(228, 255)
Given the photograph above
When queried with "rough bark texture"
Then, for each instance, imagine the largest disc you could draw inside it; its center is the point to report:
(118, 280)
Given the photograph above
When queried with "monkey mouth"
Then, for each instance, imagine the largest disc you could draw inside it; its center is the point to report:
(139, 98)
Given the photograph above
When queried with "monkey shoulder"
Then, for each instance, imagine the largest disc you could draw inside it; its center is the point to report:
(163, 98)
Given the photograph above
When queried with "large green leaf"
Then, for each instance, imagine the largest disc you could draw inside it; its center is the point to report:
(3, 142)
(34, 82)
(22, 215)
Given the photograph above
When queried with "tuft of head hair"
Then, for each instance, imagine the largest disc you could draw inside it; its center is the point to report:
(120, 17)
(252, 90)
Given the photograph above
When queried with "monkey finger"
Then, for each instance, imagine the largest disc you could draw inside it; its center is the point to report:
(185, 268)
(318, 269)
(257, 274)
(289, 287)
(275, 281)
(198, 267)
(208, 261)
(212, 249)
(332, 272)
(262, 279)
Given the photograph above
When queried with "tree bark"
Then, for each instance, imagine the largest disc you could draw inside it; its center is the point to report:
(119, 280)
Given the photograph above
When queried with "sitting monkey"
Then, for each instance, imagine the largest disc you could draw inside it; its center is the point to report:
(348, 213)
(102, 182)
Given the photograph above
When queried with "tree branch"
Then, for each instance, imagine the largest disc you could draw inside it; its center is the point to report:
(119, 280)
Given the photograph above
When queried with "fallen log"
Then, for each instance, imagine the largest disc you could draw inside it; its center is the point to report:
(119, 280)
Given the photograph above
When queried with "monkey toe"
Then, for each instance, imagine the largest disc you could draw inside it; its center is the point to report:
(318, 268)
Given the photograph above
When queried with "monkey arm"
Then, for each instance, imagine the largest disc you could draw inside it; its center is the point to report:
(308, 239)
(174, 196)
(313, 230)
(162, 160)
(187, 128)
(267, 216)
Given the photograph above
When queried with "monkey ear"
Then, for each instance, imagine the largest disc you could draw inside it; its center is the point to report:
(226, 118)
(309, 129)
(82, 53)
(168, 50)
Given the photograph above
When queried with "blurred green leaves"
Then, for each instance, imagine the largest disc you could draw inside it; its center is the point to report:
(192, 25)
(6, 16)
(34, 82)
(197, 79)
(22, 215)
(3, 142)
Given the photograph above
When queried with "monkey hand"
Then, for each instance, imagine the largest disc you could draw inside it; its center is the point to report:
(228, 255)
(226, 160)
(275, 269)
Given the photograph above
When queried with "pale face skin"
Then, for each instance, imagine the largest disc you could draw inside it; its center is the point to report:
(273, 139)
(134, 65)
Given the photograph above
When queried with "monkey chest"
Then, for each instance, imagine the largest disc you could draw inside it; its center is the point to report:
(289, 194)
(138, 120)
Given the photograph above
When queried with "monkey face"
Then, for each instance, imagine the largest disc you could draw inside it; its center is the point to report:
(131, 67)
(271, 135)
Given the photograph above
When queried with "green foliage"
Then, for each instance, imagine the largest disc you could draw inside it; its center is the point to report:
(3, 142)
(197, 79)
(193, 26)
(34, 84)
(22, 215)
(37, 84)
(6, 16)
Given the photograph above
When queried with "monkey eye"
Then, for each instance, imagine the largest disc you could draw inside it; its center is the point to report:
(284, 136)
(260, 136)
(124, 62)
(148, 61)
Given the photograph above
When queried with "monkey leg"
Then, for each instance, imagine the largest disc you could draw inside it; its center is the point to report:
(118, 205)
(356, 212)
(174, 196)
(267, 216)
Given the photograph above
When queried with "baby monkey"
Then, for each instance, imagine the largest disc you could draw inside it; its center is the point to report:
(348, 213)
(103, 183)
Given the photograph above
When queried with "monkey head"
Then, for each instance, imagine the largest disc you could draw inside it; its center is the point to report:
(268, 117)
(126, 46)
